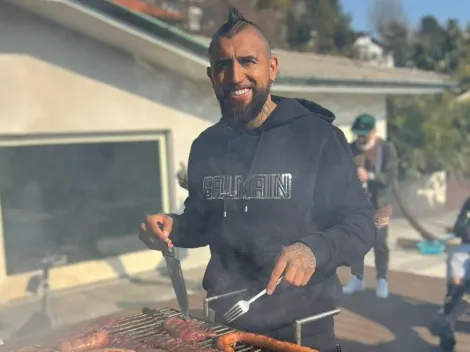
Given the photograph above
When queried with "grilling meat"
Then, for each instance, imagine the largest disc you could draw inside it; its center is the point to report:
(187, 330)
(112, 349)
(87, 342)
(129, 343)
(105, 324)
(228, 341)
(174, 344)
(36, 348)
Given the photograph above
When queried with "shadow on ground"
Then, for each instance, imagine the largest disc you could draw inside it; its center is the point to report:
(396, 324)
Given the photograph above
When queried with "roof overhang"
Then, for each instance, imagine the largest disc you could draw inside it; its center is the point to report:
(81, 18)
(350, 86)
(138, 41)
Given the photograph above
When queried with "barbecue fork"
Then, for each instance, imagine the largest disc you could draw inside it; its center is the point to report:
(243, 307)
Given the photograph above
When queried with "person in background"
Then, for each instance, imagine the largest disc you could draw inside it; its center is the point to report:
(458, 260)
(376, 162)
(457, 301)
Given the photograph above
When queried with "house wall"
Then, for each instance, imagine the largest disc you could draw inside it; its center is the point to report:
(58, 81)
(55, 81)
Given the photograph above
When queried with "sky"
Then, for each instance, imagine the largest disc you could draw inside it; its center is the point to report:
(414, 9)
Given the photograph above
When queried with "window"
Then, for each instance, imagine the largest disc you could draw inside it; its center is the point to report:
(82, 200)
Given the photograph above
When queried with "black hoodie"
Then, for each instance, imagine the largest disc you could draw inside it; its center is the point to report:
(291, 180)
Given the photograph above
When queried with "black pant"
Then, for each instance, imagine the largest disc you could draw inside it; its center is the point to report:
(381, 254)
(456, 304)
(318, 335)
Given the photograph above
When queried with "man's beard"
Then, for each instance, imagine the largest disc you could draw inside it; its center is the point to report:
(367, 145)
(241, 112)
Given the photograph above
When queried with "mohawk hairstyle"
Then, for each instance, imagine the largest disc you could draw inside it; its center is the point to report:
(235, 23)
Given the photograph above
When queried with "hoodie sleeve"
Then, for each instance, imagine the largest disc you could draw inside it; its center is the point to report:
(189, 228)
(461, 228)
(352, 231)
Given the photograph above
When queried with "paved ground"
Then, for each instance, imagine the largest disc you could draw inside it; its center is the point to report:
(404, 256)
(91, 301)
(365, 324)
(398, 324)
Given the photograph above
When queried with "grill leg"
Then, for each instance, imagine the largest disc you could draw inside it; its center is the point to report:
(311, 319)
(208, 300)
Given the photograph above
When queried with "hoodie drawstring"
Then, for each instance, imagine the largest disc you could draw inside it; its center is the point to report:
(229, 193)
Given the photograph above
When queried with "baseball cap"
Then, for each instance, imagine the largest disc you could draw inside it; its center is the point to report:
(363, 125)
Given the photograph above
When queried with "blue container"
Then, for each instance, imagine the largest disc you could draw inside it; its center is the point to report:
(431, 247)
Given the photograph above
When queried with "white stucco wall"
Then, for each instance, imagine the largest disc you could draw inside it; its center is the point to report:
(55, 80)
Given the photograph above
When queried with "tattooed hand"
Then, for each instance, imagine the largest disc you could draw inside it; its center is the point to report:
(297, 262)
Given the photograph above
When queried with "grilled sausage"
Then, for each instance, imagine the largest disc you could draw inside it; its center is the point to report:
(228, 341)
(93, 341)
(35, 348)
(187, 330)
(112, 349)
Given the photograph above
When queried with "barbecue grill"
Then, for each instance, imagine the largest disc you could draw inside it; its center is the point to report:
(149, 323)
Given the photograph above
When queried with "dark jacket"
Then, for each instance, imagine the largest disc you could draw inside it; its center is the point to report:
(379, 188)
(462, 224)
(293, 179)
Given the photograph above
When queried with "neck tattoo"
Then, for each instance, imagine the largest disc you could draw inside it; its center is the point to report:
(268, 108)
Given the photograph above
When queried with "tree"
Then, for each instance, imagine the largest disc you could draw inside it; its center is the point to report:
(389, 23)
(273, 4)
(331, 27)
(383, 14)
(298, 32)
(453, 47)
(396, 39)
(273, 14)
(430, 134)
(428, 43)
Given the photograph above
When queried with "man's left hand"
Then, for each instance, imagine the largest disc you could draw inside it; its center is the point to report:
(297, 262)
(363, 174)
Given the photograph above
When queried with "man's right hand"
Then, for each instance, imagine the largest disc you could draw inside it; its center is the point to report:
(155, 231)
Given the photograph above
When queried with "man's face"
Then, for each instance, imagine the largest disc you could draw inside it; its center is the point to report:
(242, 70)
(365, 140)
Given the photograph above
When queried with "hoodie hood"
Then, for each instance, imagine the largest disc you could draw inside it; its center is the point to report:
(286, 111)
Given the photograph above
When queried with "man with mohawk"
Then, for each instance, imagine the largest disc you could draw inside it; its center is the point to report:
(273, 191)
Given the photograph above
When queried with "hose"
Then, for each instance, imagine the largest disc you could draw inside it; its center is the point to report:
(424, 233)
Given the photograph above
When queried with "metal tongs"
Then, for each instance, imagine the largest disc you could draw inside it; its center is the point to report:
(243, 307)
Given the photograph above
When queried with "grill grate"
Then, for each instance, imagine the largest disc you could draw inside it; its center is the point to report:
(145, 325)
(149, 323)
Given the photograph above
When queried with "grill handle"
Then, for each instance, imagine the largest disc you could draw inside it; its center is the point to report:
(208, 300)
(310, 319)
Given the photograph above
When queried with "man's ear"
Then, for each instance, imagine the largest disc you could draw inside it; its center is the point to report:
(273, 67)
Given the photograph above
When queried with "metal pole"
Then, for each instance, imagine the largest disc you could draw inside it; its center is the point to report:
(300, 322)
(215, 298)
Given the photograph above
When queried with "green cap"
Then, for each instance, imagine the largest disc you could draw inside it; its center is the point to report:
(363, 125)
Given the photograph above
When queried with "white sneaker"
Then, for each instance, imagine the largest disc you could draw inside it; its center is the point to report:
(354, 285)
(382, 288)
